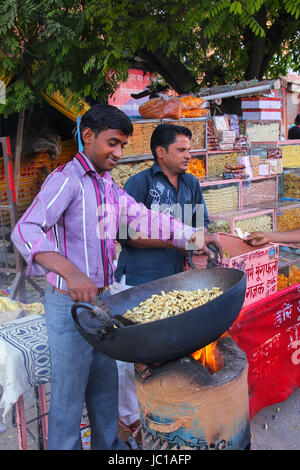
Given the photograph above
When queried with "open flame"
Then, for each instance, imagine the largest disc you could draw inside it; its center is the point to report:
(210, 356)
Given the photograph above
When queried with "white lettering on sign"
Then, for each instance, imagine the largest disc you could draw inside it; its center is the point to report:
(283, 314)
(296, 354)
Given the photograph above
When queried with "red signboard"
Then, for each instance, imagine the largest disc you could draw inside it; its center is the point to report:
(137, 81)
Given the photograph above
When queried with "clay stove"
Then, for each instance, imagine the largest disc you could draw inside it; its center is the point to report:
(187, 405)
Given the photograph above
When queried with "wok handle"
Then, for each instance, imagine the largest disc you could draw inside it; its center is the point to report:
(211, 262)
(107, 325)
(190, 259)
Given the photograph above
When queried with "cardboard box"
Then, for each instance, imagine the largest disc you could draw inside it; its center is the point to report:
(276, 167)
(220, 123)
(264, 169)
(261, 115)
(254, 160)
(261, 102)
(274, 153)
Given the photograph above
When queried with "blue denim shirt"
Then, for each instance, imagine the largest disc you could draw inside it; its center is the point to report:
(153, 188)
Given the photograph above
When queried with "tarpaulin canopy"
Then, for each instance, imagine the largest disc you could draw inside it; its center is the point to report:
(61, 104)
(6, 78)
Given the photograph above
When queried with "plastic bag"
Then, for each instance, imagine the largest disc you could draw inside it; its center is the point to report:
(191, 102)
(159, 108)
(193, 113)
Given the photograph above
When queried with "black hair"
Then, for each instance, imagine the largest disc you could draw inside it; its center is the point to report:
(101, 117)
(165, 135)
(297, 120)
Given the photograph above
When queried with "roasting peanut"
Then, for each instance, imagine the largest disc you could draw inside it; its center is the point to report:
(158, 307)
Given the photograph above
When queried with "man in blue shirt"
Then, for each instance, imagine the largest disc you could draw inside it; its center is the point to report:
(166, 187)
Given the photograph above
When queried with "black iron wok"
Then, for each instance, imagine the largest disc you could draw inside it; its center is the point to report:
(171, 338)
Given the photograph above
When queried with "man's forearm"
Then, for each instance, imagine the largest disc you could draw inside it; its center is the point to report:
(56, 263)
(80, 287)
(292, 236)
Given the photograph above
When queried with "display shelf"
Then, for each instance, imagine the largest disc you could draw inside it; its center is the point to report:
(288, 273)
(197, 164)
(217, 159)
(261, 131)
(251, 194)
(248, 221)
(286, 214)
(135, 158)
(290, 152)
(125, 169)
(258, 191)
(261, 148)
(138, 145)
(198, 127)
(289, 184)
(221, 195)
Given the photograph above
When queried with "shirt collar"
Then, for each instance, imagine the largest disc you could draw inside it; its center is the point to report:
(157, 169)
(86, 166)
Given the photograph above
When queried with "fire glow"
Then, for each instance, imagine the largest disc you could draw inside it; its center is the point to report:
(210, 357)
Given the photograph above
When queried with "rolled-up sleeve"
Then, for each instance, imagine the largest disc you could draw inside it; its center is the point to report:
(33, 232)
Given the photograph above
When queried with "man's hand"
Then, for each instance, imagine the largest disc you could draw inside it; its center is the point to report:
(81, 288)
(201, 239)
(258, 238)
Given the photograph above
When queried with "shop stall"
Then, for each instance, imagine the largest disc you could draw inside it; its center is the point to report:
(251, 186)
(252, 183)
(250, 179)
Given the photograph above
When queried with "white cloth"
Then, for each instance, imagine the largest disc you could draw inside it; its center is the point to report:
(128, 402)
(24, 358)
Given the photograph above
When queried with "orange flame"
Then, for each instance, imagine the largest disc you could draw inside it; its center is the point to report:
(210, 356)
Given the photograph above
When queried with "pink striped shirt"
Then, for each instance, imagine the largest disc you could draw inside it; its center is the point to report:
(78, 214)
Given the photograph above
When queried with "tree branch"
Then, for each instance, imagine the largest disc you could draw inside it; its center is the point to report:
(171, 69)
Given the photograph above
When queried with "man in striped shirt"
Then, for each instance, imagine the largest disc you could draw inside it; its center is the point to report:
(68, 233)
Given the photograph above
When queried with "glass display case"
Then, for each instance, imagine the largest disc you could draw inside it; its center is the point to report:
(129, 167)
(287, 215)
(262, 131)
(288, 267)
(139, 142)
(197, 165)
(220, 195)
(261, 148)
(259, 191)
(198, 127)
(290, 153)
(290, 183)
(242, 222)
(216, 161)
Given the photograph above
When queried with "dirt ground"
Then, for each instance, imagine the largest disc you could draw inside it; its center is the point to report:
(276, 427)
